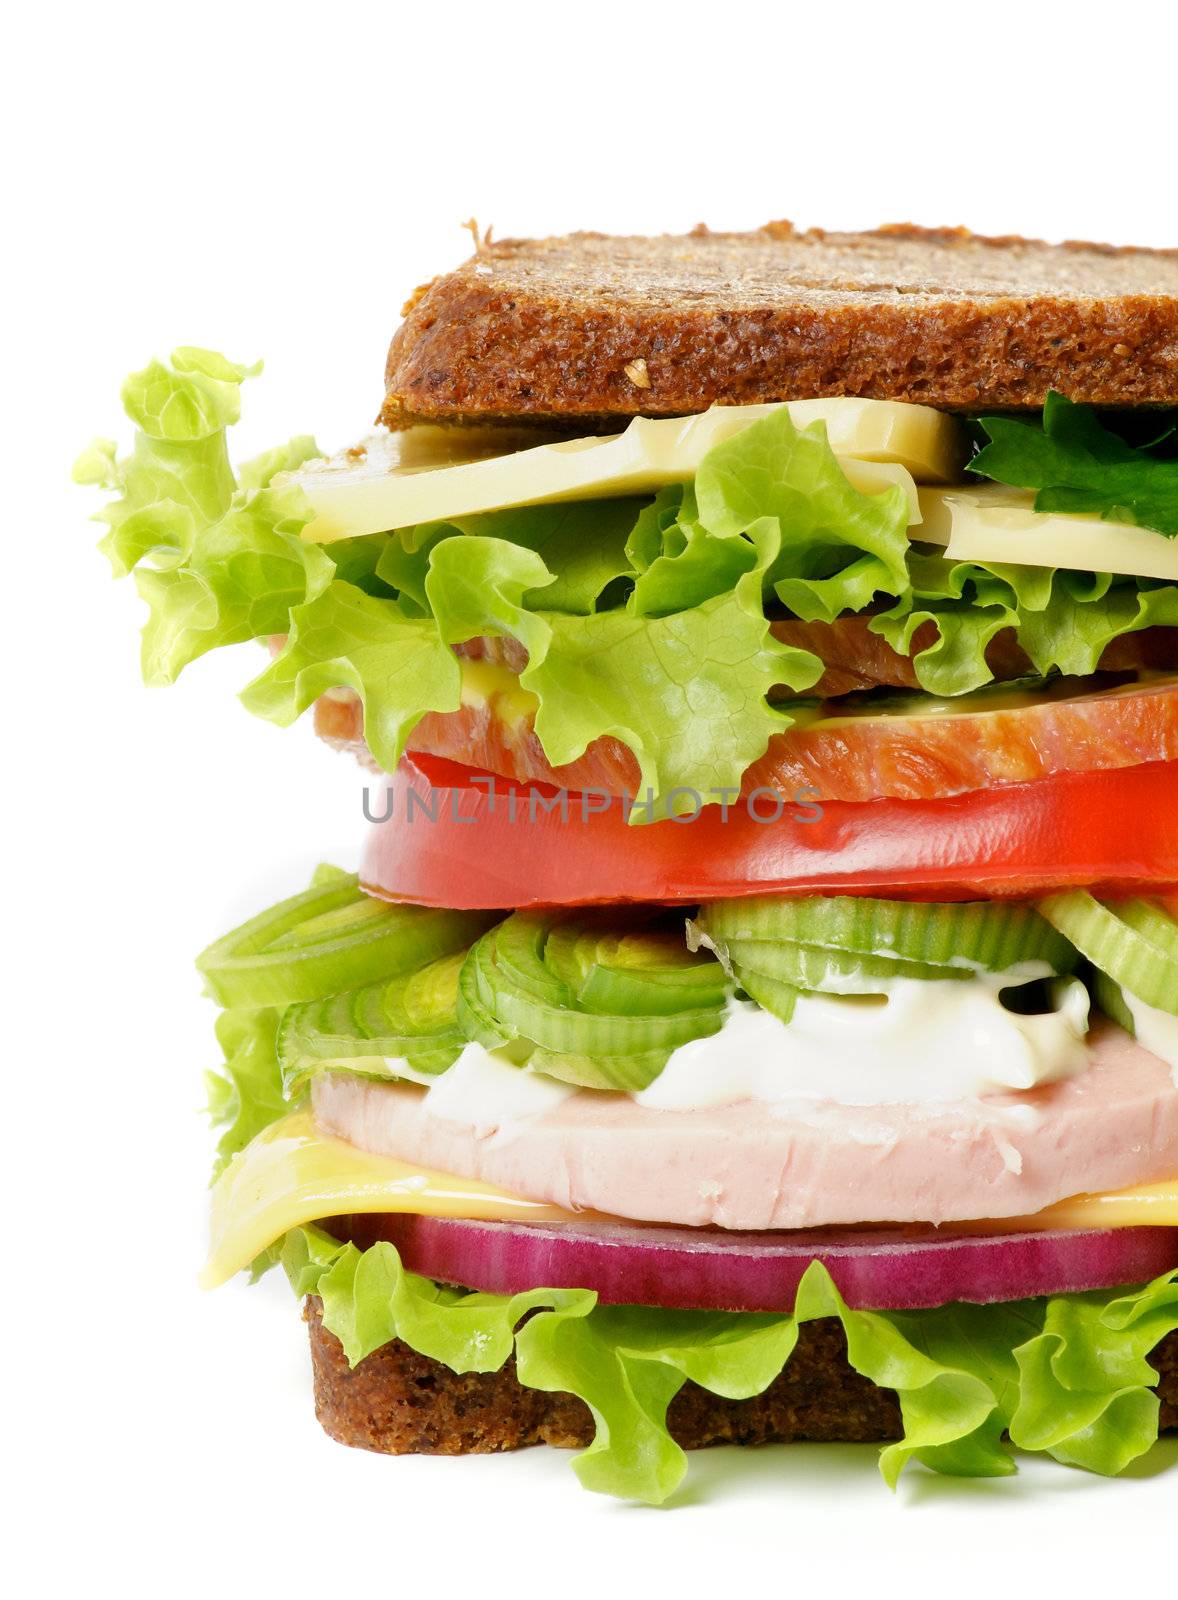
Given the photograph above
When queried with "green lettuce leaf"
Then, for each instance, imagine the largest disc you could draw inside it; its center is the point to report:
(1063, 620)
(1084, 1393)
(1078, 465)
(479, 586)
(644, 620)
(582, 544)
(369, 1298)
(628, 1362)
(245, 1094)
(227, 562)
(398, 665)
(261, 470)
(1071, 632)
(654, 526)
(1066, 1375)
(196, 396)
(403, 564)
(838, 548)
(240, 579)
(699, 567)
(686, 692)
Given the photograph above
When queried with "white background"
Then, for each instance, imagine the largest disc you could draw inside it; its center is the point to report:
(274, 180)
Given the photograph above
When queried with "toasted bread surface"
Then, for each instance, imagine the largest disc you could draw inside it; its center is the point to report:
(402, 1403)
(593, 329)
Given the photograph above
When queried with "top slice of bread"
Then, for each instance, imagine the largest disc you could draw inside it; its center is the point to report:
(590, 328)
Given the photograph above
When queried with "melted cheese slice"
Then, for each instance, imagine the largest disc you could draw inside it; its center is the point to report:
(292, 1175)
(994, 523)
(397, 480)
(1153, 1205)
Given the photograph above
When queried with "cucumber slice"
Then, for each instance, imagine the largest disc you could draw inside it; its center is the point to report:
(993, 935)
(332, 937)
(1133, 958)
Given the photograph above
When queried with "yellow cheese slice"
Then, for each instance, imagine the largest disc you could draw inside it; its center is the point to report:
(292, 1175)
(994, 523)
(1152, 1205)
(390, 481)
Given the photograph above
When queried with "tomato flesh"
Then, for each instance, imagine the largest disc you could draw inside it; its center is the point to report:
(449, 836)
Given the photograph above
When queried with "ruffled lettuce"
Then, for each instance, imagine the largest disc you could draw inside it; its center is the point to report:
(646, 618)
(1063, 620)
(398, 665)
(246, 1092)
(1068, 1375)
(687, 692)
(218, 563)
(838, 548)
(582, 545)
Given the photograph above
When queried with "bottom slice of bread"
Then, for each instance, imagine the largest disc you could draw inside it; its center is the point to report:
(403, 1403)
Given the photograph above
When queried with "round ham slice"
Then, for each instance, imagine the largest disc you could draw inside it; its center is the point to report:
(808, 1165)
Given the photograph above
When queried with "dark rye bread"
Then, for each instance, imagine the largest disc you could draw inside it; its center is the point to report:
(402, 1403)
(594, 328)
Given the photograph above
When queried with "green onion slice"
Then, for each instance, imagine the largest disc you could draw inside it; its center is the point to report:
(1133, 942)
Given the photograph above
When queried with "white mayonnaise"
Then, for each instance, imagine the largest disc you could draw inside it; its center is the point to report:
(1157, 1031)
(398, 1067)
(924, 1040)
(486, 1092)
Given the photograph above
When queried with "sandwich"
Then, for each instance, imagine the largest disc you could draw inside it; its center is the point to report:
(755, 1017)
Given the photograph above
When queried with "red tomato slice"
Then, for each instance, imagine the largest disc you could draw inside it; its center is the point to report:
(448, 836)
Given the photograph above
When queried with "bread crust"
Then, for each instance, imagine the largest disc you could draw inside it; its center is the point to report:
(595, 329)
(401, 1403)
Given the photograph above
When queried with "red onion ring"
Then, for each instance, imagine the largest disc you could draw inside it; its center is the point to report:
(705, 1269)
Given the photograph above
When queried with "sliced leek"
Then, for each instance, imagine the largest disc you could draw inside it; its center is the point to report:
(594, 998)
(1131, 942)
(330, 938)
(970, 935)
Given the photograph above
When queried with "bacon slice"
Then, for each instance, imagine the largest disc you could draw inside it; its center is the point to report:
(906, 754)
(930, 755)
(915, 754)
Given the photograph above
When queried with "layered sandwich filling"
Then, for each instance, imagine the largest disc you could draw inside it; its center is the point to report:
(693, 607)
(786, 926)
(736, 1073)
(923, 1118)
